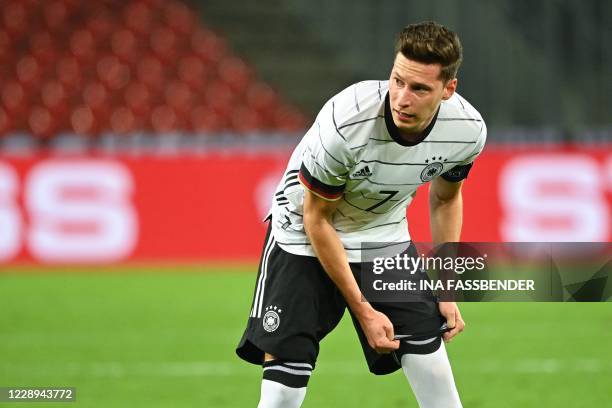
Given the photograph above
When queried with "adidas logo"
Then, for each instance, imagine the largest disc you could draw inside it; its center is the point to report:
(365, 172)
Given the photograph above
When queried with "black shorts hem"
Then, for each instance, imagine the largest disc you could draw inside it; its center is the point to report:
(390, 363)
(253, 351)
(249, 352)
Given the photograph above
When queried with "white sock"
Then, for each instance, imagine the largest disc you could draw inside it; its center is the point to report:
(431, 379)
(277, 395)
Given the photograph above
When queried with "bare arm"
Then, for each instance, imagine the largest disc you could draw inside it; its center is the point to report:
(318, 214)
(445, 210)
(446, 219)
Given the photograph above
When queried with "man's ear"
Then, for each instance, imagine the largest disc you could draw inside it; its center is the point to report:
(449, 88)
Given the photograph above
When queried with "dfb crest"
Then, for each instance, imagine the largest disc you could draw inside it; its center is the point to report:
(271, 319)
(431, 171)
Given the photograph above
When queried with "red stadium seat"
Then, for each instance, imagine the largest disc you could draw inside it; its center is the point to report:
(204, 119)
(82, 121)
(112, 72)
(101, 25)
(245, 120)
(29, 71)
(95, 95)
(68, 72)
(150, 72)
(138, 17)
(234, 72)
(163, 119)
(14, 17)
(41, 122)
(54, 96)
(55, 14)
(192, 71)
(179, 17)
(220, 97)
(82, 45)
(208, 46)
(138, 98)
(43, 47)
(178, 96)
(123, 120)
(163, 43)
(262, 98)
(14, 98)
(6, 49)
(97, 98)
(124, 45)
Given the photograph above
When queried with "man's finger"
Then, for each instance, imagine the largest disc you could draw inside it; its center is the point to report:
(389, 332)
(448, 336)
(387, 346)
(389, 342)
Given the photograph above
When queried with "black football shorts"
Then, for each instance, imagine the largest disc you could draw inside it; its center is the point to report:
(296, 304)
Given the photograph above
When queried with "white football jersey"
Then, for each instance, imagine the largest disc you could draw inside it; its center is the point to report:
(353, 153)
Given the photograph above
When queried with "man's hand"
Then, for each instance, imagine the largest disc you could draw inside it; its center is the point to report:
(453, 320)
(379, 331)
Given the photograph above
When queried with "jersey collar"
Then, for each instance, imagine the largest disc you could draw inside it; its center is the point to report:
(394, 131)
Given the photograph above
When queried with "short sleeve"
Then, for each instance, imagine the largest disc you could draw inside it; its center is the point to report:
(461, 170)
(326, 160)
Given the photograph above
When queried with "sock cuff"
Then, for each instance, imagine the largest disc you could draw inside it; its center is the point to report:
(291, 374)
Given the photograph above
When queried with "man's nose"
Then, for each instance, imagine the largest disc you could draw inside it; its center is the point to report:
(404, 98)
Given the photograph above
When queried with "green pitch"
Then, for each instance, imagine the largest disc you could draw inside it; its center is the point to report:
(165, 337)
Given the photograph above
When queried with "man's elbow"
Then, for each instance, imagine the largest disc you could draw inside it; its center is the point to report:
(439, 200)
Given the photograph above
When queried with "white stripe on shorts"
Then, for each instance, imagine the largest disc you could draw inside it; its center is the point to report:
(256, 312)
(420, 342)
(263, 286)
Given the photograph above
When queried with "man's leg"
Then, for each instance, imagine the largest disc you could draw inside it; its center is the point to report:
(423, 359)
(295, 304)
(283, 384)
(431, 378)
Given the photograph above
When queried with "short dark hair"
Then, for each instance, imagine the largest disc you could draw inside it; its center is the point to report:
(431, 43)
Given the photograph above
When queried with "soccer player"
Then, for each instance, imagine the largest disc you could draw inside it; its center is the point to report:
(349, 181)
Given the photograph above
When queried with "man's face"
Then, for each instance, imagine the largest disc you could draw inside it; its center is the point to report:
(415, 92)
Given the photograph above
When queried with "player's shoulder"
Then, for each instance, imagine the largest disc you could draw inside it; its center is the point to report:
(359, 101)
(461, 117)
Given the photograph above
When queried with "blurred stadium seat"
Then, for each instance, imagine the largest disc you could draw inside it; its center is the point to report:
(147, 65)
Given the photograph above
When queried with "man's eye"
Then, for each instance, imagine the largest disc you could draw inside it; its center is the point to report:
(399, 82)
